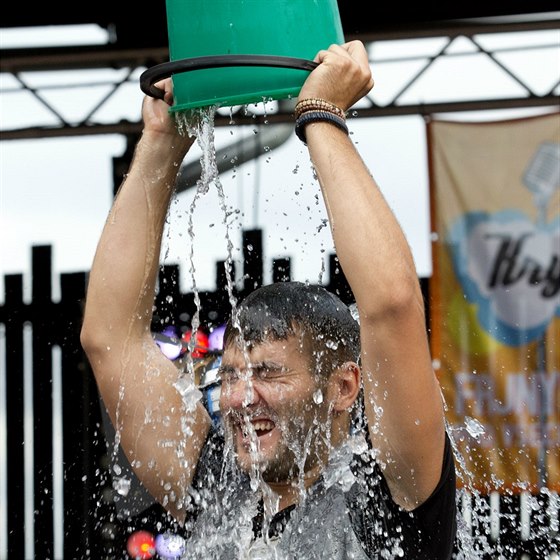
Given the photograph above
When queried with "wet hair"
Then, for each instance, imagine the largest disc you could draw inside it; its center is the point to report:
(330, 334)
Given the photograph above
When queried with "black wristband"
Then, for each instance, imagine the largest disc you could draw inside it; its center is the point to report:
(317, 116)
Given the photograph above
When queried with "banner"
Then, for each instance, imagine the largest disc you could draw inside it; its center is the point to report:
(495, 296)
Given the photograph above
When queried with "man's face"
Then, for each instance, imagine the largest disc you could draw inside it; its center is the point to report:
(274, 409)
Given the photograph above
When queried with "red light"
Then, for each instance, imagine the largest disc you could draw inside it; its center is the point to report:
(201, 348)
(141, 545)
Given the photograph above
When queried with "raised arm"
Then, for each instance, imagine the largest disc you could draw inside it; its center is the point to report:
(135, 380)
(402, 396)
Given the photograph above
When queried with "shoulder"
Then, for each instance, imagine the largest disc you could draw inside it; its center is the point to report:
(427, 532)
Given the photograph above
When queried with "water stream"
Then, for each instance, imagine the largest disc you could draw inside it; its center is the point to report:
(475, 509)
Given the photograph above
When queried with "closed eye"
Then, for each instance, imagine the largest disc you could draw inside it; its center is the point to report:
(262, 370)
(268, 370)
(228, 374)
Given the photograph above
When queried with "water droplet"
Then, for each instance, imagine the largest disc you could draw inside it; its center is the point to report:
(318, 396)
(122, 486)
(474, 427)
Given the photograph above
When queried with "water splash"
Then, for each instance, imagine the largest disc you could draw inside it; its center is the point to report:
(474, 428)
(474, 544)
(200, 123)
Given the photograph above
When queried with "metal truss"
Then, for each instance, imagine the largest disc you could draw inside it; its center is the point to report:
(122, 68)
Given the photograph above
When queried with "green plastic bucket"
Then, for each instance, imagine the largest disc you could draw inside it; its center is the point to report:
(222, 28)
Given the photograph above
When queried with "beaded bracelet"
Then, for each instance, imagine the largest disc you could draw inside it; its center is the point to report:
(317, 104)
(317, 116)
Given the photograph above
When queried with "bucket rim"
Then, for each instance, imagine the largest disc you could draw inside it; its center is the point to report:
(154, 74)
(238, 99)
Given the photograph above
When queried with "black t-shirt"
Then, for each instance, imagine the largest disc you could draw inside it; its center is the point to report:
(426, 533)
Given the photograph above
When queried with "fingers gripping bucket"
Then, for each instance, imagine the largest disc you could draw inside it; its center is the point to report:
(235, 52)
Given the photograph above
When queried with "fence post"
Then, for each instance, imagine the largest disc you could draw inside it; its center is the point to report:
(12, 317)
(42, 314)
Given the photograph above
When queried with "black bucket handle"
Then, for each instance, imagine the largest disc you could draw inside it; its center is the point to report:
(156, 73)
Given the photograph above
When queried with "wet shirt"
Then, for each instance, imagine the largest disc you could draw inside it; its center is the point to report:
(347, 514)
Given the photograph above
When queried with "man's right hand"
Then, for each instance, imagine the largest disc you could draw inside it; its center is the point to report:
(158, 120)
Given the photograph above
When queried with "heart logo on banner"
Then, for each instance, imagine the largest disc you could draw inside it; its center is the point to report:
(509, 267)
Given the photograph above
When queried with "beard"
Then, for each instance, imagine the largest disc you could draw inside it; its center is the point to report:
(303, 447)
(299, 441)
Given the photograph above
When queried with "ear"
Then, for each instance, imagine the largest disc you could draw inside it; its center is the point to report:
(344, 384)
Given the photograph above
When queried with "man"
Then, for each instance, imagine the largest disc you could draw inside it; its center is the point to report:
(333, 442)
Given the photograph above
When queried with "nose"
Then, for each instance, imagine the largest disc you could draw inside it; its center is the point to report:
(239, 393)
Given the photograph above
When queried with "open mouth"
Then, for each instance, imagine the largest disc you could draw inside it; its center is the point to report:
(263, 427)
(259, 428)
